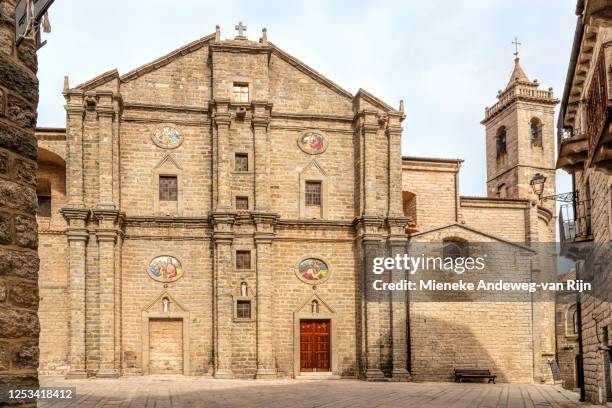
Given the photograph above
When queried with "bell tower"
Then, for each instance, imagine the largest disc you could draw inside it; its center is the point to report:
(520, 138)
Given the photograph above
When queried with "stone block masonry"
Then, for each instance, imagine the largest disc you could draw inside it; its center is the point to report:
(19, 327)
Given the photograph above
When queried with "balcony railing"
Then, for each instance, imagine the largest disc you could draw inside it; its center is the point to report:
(575, 222)
(598, 98)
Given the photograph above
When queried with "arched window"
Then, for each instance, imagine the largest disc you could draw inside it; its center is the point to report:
(502, 191)
(500, 139)
(314, 307)
(571, 321)
(455, 248)
(536, 132)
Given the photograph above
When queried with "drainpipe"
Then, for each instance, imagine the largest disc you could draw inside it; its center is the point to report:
(580, 349)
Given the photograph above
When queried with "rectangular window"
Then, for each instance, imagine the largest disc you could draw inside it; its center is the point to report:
(243, 309)
(243, 259)
(168, 188)
(242, 203)
(313, 193)
(44, 206)
(241, 92)
(241, 162)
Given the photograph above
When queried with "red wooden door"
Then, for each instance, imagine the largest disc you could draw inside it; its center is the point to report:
(314, 345)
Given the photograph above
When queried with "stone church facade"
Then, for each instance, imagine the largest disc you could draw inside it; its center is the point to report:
(211, 212)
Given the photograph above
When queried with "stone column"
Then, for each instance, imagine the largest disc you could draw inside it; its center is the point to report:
(369, 129)
(394, 133)
(106, 114)
(77, 242)
(223, 237)
(19, 326)
(74, 146)
(222, 121)
(106, 234)
(399, 302)
(260, 121)
(264, 235)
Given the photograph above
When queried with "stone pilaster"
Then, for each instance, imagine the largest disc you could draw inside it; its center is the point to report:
(222, 120)
(371, 247)
(261, 119)
(106, 114)
(369, 129)
(265, 291)
(75, 112)
(394, 133)
(223, 237)
(77, 242)
(399, 302)
(106, 234)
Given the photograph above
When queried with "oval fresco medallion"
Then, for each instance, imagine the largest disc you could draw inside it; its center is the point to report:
(312, 142)
(167, 137)
(313, 271)
(165, 269)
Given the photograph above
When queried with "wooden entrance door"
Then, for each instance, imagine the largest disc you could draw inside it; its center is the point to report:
(314, 345)
(166, 346)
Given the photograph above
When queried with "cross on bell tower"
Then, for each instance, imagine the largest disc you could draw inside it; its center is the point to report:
(241, 29)
(516, 47)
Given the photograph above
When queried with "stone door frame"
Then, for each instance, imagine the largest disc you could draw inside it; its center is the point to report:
(304, 313)
(146, 317)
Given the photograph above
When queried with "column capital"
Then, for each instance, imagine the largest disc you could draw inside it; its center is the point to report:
(77, 234)
(75, 214)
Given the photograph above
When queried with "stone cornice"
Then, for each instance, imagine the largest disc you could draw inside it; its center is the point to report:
(98, 80)
(312, 116)
(237, 46)
(299, 65)
(166, 59)
(164, 107)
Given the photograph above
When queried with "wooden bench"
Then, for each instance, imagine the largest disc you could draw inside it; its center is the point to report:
(472, 373)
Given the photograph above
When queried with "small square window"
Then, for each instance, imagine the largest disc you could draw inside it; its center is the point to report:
(241, 162)
(44, 206)
(243, 259)
(243, 309)
(241, 92)
(168, 188)
(313, 193)
(242, 203)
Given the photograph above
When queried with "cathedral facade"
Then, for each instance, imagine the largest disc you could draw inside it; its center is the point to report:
(211, 212)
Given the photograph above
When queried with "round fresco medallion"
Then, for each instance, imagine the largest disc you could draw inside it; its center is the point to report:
(167, 137)
(165, 269)
(312, 142)
(313, 271)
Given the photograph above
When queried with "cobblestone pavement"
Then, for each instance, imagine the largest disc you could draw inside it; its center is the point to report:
(178, 391)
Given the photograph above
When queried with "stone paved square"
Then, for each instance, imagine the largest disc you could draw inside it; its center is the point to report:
(192, 392)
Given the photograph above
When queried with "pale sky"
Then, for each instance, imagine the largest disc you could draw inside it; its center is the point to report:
(445, 58)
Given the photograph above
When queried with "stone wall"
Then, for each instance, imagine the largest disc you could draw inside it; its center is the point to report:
(18, 236)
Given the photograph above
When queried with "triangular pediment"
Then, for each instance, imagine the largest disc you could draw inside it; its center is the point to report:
(371, 101)
(157, 305)
(313, 168)
(168, 161)
(451, 228)
(324, 307)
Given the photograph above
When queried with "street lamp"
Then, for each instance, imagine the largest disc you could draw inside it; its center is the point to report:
(537, 184)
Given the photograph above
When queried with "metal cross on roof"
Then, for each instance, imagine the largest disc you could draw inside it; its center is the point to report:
(241, 29)
(516, 47)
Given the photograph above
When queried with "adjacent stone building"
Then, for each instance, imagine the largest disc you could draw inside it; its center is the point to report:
(18, 232)
(215, 212)
(585, 151)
